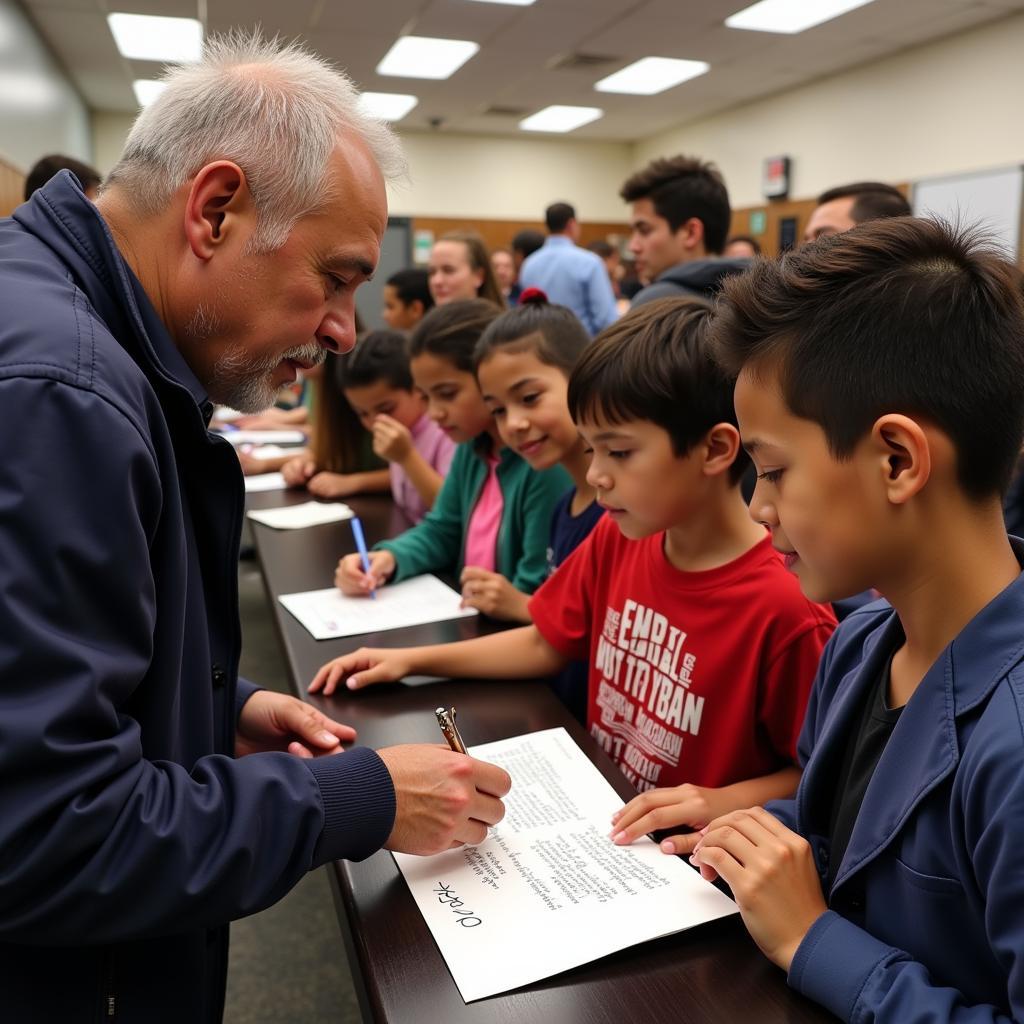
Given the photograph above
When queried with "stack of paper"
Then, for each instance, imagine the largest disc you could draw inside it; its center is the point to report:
(297, 517)
(264, 482)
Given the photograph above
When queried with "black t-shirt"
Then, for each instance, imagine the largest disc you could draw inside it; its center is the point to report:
(863, 750)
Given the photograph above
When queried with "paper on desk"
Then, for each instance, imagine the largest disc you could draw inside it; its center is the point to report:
(270, 451)
(296, 517)
(548, 890)
(329, 613)
(264, 482)
(237, 437)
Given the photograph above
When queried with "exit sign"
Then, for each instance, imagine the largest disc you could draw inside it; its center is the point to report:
(775, 178)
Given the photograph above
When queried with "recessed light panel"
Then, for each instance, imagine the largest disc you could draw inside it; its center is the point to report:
(652, 75)
(386, 106)
(791, 16)
(143, 37)
(423, 57)
(560, 119)
(147, 90)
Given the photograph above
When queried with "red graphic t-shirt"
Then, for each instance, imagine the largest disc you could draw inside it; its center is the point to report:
(699, 677)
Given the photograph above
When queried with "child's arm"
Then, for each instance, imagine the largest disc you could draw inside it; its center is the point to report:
(514, 654)
(341, 485)
(393, 442)
(695, 806)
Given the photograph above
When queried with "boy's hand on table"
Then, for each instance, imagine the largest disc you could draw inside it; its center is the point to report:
(361, 668)
(391, 440)
(350, 579)
(658, 809)
(443, 799)
(277, 721)
(492, 594)
(771, 872)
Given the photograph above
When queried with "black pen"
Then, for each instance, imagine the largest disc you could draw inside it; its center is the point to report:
(450, 731)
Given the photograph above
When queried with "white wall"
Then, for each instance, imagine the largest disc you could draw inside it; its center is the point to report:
(950, 106)
(40, 112)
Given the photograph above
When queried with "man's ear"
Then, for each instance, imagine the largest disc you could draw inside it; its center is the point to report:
(219, 205)
(721, 446)
(904, 456)
(691, 233)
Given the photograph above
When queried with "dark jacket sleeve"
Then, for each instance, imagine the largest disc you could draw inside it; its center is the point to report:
(98, 842)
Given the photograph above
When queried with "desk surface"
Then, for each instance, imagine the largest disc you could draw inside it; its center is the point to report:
(710, 974)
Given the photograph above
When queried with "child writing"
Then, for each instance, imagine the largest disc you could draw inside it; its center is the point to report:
(490, 521)
(701, 647)
(879, 392)
(523, 363)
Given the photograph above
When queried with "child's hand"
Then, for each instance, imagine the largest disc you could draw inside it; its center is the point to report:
(492, 594)
(772, 876)
(391, 440)
(372, 666)
(693, 806)
(350, 579)
(251, 466)
(330, 485)
(298, 470)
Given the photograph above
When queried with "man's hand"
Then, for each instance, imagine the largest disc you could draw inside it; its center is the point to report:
(443, 799)
(391, 440)
(772, 876)
(692, 806)
(275, 721)
(492, 594)
(372, 666)
(350, 579)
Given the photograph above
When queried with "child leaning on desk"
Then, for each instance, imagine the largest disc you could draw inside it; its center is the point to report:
(700, 645)
(489, 523)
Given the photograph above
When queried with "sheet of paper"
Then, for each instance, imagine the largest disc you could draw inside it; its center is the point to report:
(270, 451)
(297, 517)
(237, 437)
(264, 482)
(548, 890)
(329, 613)
(225, 414)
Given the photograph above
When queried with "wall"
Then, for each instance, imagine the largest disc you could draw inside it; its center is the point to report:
(943, 108)
(40, 112)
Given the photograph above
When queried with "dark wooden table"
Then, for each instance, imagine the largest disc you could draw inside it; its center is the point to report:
(710, 974)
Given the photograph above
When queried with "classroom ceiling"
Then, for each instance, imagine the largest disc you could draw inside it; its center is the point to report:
(515, 72)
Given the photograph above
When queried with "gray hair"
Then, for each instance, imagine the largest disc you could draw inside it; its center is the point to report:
(273, 108)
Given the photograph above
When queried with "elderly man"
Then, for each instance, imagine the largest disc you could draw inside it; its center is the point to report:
(148, 796)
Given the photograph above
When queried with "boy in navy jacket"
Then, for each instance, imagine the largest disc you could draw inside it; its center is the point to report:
(880, 394)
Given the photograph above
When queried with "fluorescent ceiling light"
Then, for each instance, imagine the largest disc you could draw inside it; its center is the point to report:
(143, 37)
(422, 57)
(651, 75)
(509, 3)
(560, 119)
(791, 16)
(386, 106)
(147, 90)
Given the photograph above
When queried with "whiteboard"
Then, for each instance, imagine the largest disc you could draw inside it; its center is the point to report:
(989, 198)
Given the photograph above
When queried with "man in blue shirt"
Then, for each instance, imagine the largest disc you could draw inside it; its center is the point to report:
(569, 275)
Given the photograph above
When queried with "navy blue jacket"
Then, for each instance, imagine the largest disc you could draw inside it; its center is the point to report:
(129, 834)
(926, 918)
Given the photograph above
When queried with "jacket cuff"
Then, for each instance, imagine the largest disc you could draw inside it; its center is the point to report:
(358, 799)
(244, 689)
(834, 962)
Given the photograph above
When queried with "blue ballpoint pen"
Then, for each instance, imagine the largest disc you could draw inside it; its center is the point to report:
(357, 532)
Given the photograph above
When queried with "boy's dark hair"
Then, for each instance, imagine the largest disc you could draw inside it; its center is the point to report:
(527, 241)
(749, 239)
(412, 285)
(451, 331)
(557, 217)
(874, 200)
(655, 364)
(46, 167)
(552, 332)
(378, 355)
(681, 187)
(601, 248)
(902, 315)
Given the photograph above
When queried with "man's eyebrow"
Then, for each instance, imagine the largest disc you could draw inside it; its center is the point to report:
(349, 261)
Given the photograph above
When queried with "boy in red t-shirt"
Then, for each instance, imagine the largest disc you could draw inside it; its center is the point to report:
(702, 648)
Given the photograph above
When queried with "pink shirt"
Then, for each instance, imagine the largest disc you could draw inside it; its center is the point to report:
(437, 449)
(482, 532)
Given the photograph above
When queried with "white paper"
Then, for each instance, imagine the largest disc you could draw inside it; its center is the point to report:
(297, 517)
(225, 414)
(269, 451)
(329, 613)
(548, 890)
(264, 482)
(237, 437)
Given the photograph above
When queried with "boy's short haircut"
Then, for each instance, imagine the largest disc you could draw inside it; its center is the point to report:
(872, 200)
(46, 167)
(412, 285)
(378, 355)
(451, 331)
(527, 242)
(902, 315)
(681, 187)
(655, 364)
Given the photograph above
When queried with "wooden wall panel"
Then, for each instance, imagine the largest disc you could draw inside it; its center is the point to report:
(12, 188)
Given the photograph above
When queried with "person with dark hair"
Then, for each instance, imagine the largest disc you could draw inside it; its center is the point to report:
(489, 524)
(700, 645)
(407, 298)
(879, 393)
(846, 206)
(680, 219)
(45, 168)
(743, 247)
(377, 383)
(568, 275)
(525, 243)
